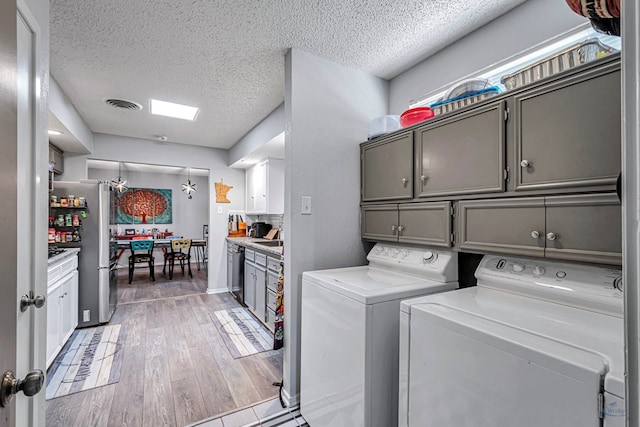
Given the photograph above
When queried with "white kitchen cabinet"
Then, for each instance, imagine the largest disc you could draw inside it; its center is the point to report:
(62, 304)
(265, 187)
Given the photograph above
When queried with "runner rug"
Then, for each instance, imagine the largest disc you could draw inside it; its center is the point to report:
(242, 333)
(91, 358)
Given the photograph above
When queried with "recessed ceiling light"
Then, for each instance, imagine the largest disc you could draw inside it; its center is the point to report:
(170, 109)
(54, 132)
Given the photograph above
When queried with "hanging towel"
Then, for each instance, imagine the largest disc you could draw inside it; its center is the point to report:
(278, 327)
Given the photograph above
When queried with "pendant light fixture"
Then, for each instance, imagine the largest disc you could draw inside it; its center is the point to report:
(189, 188)
(120, 184)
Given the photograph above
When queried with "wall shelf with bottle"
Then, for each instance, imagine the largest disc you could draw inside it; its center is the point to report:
(65, 219)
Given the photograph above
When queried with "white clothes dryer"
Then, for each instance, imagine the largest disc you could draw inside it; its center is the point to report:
(535, 344)
(350, 326)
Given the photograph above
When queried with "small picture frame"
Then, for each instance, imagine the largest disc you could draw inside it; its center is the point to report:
(129, 231)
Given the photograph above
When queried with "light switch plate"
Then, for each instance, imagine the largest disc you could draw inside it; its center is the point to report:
(306, 205)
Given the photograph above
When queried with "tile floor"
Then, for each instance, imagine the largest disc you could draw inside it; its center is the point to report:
(265, 414)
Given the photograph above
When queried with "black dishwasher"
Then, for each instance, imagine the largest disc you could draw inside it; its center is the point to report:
(236, 287)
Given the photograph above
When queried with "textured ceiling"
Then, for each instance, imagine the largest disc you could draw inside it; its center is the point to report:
(227, 57)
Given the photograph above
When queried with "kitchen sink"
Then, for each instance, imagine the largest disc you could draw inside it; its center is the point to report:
(269, 242)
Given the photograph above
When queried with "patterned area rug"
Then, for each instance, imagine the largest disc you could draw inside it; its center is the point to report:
(91, 358)
(242, 333)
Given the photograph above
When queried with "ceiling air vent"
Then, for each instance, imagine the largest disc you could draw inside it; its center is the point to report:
(123, 104)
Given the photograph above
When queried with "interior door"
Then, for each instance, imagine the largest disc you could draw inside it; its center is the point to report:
(24, 166)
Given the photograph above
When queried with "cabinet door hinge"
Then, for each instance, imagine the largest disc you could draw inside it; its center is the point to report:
(601, 405)
(506, 174)
(506, 114)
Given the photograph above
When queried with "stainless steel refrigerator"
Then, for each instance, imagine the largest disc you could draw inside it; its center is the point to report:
(97, 260)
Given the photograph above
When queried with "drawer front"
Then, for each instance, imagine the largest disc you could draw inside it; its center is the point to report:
(69, 265)
(249, 255)
(271, 318)
(273, 264)
(272, 281)
(271, 299)
(261, 259)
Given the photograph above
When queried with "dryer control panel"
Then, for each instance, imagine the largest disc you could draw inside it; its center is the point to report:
(590, 287)
(430, 263)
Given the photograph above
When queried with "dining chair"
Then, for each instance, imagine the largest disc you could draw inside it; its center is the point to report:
(177, 254)
(145, 255)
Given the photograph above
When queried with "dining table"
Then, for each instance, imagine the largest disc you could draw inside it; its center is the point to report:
(199, 245)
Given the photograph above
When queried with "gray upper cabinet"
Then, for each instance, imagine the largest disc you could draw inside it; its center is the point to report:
(567, 134)
(584, 228)
(425, 223)
(462, 155)
(387, 169)
(417, 223)
(56, 159)
(514, 226)
(379, 222)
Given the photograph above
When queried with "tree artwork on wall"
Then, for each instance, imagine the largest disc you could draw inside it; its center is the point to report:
(145, 206)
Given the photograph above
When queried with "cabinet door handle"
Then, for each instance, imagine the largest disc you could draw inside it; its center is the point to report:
(423, 179)
(525, 163)
(400, 228)
(535, 234)
(404, 181)
(393, 228)
(551, 236)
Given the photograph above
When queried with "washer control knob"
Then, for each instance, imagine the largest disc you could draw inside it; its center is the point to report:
(618, 283)
(379, 249)
(561, 274)
(518, 267)
(538, 270)
(428, 257)
(404, 253)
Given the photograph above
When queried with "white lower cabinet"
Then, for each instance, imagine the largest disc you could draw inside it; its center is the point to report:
(62, 305)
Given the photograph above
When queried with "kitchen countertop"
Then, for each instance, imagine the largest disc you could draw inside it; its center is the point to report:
(67, 253)
(253, 243)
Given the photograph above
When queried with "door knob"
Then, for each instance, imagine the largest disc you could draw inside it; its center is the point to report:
(551, 236)
(10, 386)
(525, 163)
(29, 300)
(404, 181)
(535, 234)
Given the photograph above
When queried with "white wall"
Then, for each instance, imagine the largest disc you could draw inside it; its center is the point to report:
(61, 106)
(118, 148)
(263, 132)
(521, 28)
(631, 201)
(328, 109)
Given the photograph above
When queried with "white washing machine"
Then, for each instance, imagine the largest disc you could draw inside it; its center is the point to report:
(535, 344)
(349, 338)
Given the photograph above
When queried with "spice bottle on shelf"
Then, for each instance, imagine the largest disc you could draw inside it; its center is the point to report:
(68, 220)
(75, 220)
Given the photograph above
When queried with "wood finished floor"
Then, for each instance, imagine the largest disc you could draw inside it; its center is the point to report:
(176, 368)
